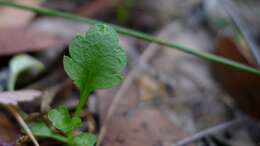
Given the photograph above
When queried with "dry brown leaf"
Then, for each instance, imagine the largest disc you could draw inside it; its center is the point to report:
(14, 18)
(136, 124)
(8, 132)
(243, 87)
(13, 97)
(14, 41)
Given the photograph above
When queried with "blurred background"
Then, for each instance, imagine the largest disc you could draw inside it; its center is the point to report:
(170, 98)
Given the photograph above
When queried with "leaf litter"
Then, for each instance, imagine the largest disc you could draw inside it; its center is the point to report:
(175, 106)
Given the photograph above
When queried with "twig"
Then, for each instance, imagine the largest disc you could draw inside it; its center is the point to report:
(147, 54)
(18, 117)
(208, 132)
(139, 35)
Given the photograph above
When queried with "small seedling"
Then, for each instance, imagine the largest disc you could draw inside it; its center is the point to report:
(96, 62)
(22, 63)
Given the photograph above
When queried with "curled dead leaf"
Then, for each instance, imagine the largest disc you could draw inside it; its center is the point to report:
(13, 97)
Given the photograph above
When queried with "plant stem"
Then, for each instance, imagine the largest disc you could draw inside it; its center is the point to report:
(139, 35)
(82, 101)
(58, 138)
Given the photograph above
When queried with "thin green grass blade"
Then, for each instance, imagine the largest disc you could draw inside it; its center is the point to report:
(139, 35)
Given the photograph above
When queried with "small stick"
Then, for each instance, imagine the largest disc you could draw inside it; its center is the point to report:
(18, 117)
(209, 131)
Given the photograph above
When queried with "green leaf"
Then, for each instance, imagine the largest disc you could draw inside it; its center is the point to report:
(62, 120)
(40, 129)
(19, 64)
(84, 139)
(96, 59)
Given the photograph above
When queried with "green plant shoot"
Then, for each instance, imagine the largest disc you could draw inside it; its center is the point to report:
(96, 61)
(21, 63)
